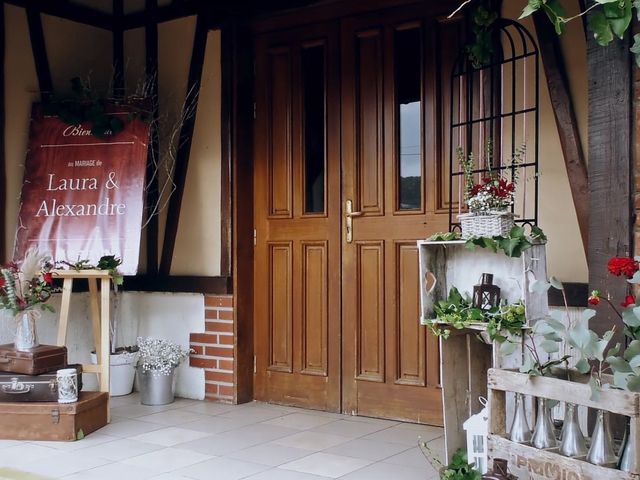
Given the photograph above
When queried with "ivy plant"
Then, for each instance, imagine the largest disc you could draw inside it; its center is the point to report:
(512, 245)
(609, 19)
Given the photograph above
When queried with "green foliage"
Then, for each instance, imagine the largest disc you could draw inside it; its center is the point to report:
(460, 469)
(513, 245)
(444, 237)
(504, 322)
(609, 19)
(481, 50)
(106, 262)
(84, 106)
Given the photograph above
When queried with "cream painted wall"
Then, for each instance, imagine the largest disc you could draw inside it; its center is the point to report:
(565, 255)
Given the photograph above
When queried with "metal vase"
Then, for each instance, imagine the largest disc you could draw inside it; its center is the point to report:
(520, 431)
(601, 450)
(628, 451)
(26, 337)
(544, 435)
(155, 388)
(573, 443)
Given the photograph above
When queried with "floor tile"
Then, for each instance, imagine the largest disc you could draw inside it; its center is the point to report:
(215, 424)
(166, 460)
(169, 436)
(113, 471)
(280, 474)
(326, 464)
(368, 449)
(349, 429)
(137, 410)
(93, 439)
(63, 463)
(406, 434)
(412, 457)
(300, 421)
(127, 427)
(170, 476)
(221, 468)
(313, 441)
(124, 400)
(387, 471)
(208, 408)
(8, 443)
(173, 417)
(120, 449)
(253, 414)
(24, 453)
(270, 454)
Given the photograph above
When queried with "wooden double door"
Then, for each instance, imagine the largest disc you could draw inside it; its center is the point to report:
(346, 142)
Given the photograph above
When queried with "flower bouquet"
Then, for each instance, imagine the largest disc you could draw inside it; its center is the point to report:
(160, 356)
(490, 200)
(25, 287)
(156, 365)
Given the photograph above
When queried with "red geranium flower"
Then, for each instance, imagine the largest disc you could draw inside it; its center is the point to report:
(594, 298)
(628, 300)
(622, 266)
(2, 282)
(48, 277)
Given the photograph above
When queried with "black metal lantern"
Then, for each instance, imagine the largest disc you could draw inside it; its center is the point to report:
(486, 295)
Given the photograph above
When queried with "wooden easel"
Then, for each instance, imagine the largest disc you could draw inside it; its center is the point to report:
(99, 305)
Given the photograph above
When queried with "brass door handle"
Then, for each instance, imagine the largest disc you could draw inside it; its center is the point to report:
(349, 214)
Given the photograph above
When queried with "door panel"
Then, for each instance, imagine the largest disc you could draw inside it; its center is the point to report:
(390, 366)
(297, 219)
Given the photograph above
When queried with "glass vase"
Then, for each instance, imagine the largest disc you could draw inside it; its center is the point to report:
(26, 337)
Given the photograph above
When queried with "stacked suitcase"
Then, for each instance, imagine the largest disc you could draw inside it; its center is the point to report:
(29, 408)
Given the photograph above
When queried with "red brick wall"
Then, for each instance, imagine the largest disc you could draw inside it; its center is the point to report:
(215, 348)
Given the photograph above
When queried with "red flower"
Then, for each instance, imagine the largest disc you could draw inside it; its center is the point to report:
(594, 298)
(628, 300)
(622, 266)
(2, 282)
(48, 277)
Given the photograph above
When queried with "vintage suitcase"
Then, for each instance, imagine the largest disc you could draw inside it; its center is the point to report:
(52, 420)
(32, 388)
(41, 359)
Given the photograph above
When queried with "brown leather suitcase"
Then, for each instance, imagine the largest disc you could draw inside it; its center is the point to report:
(53, 420)
(41, 359)
(15, 387)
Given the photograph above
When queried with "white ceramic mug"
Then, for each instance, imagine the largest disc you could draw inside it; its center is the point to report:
(67, 385)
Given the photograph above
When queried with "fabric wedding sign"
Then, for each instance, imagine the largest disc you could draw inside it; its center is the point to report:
(82, 195)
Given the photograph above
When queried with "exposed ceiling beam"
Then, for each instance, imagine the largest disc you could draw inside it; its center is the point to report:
(160, 14)
(68, 11)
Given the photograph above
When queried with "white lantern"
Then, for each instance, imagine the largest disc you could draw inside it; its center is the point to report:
(477, 428)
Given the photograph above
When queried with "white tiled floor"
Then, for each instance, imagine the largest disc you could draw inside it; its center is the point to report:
(192, 440)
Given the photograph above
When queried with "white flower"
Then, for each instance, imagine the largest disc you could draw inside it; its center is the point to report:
(160, 356)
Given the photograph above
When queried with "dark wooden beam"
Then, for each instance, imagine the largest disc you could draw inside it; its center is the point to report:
(184, 143)
(566, 122)
(155, 283)
(610, 169)
(151, 71)
(68, 11)
(36, 34)
(577, 295)
(237, 39)
(3, 172)
(161, 14)
(227, 113)
(118, 49)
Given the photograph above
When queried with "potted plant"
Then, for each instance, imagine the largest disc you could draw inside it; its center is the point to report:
(491, 199)
(157, 362)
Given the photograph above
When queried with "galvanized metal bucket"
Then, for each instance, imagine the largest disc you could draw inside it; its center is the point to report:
(156, 388)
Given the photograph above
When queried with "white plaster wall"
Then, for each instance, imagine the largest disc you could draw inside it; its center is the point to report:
(172, 316)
